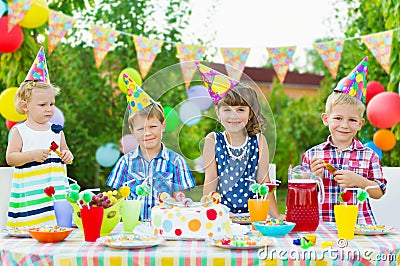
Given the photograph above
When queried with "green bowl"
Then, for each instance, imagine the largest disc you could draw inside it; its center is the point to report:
(112, 216)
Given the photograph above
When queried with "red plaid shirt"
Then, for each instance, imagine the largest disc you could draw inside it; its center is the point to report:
(357, 158)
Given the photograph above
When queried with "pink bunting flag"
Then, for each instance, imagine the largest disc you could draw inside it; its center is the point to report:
(188, 56)
(330, 53)
(103, 39)
(380, 45)
(235, 61)
(147, 50)
(17, 10)
(59, 24)
(281, 57)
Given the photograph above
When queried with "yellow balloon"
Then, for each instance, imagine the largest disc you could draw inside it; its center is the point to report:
(7, 105)
(36, 16)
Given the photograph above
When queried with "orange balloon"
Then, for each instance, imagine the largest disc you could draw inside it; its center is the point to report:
(384, 139)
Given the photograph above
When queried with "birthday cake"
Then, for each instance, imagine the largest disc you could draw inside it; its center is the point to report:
(190, 220)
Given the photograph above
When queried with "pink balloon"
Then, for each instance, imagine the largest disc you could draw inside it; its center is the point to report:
(10, 41)
(383, 111)
(373, 88)
(128, 143)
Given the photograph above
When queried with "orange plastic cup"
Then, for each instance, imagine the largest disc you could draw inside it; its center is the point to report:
(346, 219)
(258, 210)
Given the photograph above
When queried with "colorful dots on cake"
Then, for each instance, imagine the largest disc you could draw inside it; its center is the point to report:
(167, 225)
(178, 232)
(208, 225)
(194, 225)
(156, 220)
(211, 214)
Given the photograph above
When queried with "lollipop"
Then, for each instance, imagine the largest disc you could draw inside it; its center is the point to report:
(362, 195)
(216, 197)
(125, 191)
(255, 188)
(73, 196)
(54, 147)
(75, 187)
(263, 190)
(187, 202)
(50, 191)
(206, 200)
(87, 197)
(180, 196)
(162, 197)
(345, 196)
(142, 190)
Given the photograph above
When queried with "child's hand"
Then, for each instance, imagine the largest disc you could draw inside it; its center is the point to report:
(317, 167)
(67, 156)
(40, 155)
(346, 178)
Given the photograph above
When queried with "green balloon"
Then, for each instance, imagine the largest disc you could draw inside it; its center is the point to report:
(171, 117)
(133, 74)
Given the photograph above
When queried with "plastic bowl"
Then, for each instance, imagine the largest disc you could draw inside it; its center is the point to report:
(50, 237)
(274, 230)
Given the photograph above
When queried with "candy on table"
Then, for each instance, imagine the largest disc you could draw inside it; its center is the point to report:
(311, 238)
(125, 191)
(326, 244)
(273, 221)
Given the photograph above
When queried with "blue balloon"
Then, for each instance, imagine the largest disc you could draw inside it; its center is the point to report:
(107, 155)
(3, 8)
(372, 145)
(189, 113)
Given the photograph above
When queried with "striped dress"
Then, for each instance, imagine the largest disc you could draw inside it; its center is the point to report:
(29, 205)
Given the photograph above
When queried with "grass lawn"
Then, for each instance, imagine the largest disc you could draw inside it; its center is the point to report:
(196, 193)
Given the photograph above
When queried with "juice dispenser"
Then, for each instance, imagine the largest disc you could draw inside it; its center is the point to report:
(305, 193)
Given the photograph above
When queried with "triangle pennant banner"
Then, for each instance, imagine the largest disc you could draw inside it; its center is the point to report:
(281, 57)
(17, 10)
(235, 61)
(103, 39)
(59, 24)
(330, 53)
(188, 56)
(380, 45)
(147, 50)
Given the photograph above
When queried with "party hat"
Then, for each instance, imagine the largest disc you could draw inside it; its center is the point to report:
(38, 69)
(137, 98)
(217, 83)
(355, 84)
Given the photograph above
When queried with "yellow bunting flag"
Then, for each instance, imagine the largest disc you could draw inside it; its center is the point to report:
(59, 24)
(17, 10)
(330, 53)
(147, 50)
(235, 61)
(103, 39)
(281, 57)
(188, 56)
(380, 45)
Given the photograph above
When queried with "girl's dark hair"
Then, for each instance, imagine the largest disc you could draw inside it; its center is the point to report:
(242, 95)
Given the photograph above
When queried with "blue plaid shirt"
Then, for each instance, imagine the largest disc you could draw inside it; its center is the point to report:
(168, 172)
(357, 158)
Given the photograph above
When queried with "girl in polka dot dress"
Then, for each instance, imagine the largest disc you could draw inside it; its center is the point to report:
(238, 157)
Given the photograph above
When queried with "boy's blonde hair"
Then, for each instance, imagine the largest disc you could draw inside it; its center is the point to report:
(241, 95)
(153, 110)
(24, 92)
(336, 98)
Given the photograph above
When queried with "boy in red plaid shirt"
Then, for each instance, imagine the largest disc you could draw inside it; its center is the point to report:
(356, 165)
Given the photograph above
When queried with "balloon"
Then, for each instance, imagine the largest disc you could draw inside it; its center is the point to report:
(36, 16)
(10, 41)
(373, 88)
(372, 145)
(384, 139)
(58, 117)
(3, 8)
(383, 110)
(190, 113)
(200, 96)
(107, 155)
(10, 124)
(171, 117)
(7, 105)
(128, 143)
(132, 73)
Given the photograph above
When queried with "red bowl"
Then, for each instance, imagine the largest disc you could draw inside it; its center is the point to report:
(50, 237)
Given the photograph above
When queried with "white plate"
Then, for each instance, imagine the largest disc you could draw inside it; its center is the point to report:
(240, 218)
(370, 230)
(251, 242)
(21, 232)
(145, 230)
(129, 241)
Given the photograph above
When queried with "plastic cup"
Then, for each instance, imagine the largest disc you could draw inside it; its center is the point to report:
(63, 212)
(130, 212)
(346, 219)
(91, 220)
(258, 210)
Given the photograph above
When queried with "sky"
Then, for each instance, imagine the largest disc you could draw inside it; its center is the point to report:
(258, 24)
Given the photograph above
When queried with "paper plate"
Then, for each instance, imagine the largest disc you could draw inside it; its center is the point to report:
(129, 241)
(365, 229)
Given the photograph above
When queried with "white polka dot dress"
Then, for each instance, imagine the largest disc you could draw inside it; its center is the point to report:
(235, 165)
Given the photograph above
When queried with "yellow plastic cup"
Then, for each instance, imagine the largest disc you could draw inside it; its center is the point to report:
(346, 219)
(258, 210)
(130, 212)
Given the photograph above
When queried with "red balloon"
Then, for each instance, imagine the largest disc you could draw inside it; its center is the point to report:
(373, 88)
(383, 111)
(10, 41)
(10, 124)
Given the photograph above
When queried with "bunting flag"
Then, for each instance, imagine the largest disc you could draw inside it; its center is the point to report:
(102, 40)
(380, 45)
(59, 24)
(281, 57)
(188, 56)
(17, 10)
(330, 52)
(235, 61)
(147, 50)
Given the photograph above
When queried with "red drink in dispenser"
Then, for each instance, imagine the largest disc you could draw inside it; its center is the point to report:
(302, 206)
